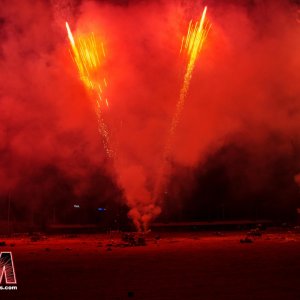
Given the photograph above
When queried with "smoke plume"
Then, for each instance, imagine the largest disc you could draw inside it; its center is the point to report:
(244, 91)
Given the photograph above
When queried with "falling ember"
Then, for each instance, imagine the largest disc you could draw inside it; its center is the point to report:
(88, 55)
(191, 45)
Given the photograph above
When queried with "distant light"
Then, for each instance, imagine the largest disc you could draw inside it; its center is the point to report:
(101, 209)
(76, 206)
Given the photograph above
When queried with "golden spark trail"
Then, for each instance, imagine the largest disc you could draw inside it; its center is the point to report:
(88, 55)
(191, 45)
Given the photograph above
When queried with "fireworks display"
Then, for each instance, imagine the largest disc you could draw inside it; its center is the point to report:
(88, 55)
(191, 46)
(100, 106)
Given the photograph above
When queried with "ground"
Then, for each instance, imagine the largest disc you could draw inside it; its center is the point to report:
(179, 266)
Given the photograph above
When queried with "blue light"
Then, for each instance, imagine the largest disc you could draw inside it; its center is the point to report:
(101, 209)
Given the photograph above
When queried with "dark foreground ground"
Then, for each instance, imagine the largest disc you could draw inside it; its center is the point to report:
(180, 266)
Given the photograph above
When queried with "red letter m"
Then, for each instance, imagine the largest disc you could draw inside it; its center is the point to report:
(7, 268)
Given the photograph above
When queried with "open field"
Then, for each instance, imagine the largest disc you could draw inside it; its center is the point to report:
(178, 266)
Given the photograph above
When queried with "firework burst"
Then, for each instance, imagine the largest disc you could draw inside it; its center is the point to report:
(191, 47)
(89, 55)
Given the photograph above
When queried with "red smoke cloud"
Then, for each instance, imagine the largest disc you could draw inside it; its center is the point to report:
(245, 84)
